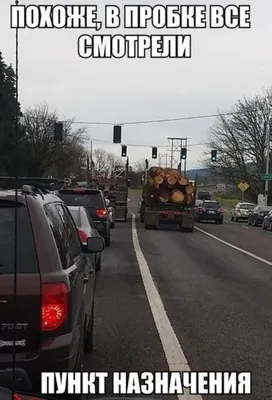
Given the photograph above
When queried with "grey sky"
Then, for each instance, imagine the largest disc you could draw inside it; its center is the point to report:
(225, 66)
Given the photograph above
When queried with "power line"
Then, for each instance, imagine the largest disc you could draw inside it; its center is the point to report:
(142, 145)
(157, 121)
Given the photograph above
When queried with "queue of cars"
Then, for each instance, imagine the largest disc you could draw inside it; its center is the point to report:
(210, 210)
(254, 215)
(59, 243)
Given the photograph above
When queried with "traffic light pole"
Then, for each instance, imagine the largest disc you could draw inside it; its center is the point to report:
(185, 161)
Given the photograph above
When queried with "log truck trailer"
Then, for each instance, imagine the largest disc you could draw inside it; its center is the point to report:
(116, 190)
(154, 212)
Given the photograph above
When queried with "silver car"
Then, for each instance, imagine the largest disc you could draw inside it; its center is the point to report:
(241, 211)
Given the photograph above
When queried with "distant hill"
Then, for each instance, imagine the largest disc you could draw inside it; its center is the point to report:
(203, 174)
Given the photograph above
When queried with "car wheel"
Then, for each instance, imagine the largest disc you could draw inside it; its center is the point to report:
(263, 226)
(98, 264)
(231, 218)
(248, 222)
(107, 241)
(270, 226)
(89, 335)
(220, 222)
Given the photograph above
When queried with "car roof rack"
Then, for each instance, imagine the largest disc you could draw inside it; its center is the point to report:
(30, 189)
(10, 182)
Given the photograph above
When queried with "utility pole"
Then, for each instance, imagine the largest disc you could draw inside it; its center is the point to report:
(268, 135)
(91, 158)
(175, 151)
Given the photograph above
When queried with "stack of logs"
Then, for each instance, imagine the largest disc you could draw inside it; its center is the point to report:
(168, 185)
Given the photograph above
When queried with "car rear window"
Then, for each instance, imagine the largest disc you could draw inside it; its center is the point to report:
(266, 208)
(26, 251)
(211, 204)
(76, 216)
(94, 200)
(247, 206)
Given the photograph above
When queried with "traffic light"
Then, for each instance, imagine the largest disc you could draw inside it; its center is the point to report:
(183, 153)
(154, 152)
(58, 131)
(213, 155)
(124, 151)
(117, 134)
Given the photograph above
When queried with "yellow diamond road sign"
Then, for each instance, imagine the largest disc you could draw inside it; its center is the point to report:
(243, 186)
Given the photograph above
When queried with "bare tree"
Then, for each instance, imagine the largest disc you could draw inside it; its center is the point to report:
(240, 141)
(104, 161)
(42, 153)
(139, 166)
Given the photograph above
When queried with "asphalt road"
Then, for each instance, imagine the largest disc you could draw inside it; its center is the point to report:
(218, 301)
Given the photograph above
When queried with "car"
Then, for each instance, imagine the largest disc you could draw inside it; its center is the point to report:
(203, 196)
(209, 210)
(86, 228)
(241, 211)
(256, 216)
(111, 213)
(94, 202)
(267, 221)
(55, 291)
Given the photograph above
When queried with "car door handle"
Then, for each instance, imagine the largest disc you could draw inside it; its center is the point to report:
(85, 279)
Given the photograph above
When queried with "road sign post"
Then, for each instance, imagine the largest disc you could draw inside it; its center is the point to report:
(243, 186)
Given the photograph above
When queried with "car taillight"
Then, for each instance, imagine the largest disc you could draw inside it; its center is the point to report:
(17, 396)
(201, 209)
(54, 305)
(83, 236)
(221, 210)
(79, 190)
(102, 212)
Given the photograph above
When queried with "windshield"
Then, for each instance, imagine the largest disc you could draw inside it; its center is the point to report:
(86, 200)
(26, 246)
(247, 206)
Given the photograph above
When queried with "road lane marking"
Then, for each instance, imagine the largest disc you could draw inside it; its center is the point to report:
(174, 355)
(263, 260)
(245, 227)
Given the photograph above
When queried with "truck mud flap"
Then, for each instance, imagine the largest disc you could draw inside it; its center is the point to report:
(151, 220)
(187, 223)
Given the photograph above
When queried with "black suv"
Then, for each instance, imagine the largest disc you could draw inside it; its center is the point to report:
(94, 202)
(55, 288)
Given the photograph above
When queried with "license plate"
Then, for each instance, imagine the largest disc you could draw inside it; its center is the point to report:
(211, 212)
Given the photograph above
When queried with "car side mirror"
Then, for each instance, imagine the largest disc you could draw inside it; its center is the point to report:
(95, 244)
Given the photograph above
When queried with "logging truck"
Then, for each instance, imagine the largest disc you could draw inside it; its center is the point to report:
(167, 198)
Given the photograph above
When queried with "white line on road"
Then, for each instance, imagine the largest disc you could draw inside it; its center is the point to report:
(245, 227)
(175, 357)
(235, 247)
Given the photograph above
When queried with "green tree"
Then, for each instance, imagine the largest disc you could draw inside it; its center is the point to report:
(8, 158)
